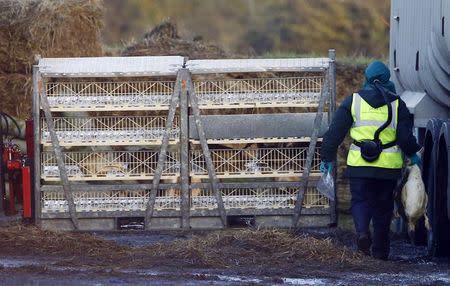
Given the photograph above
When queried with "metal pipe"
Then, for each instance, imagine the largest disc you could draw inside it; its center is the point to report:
(12, 126)
(37, 84)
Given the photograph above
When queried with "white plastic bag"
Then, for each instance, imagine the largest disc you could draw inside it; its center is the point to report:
(325, 186)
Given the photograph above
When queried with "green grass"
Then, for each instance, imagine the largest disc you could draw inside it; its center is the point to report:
(356, 60)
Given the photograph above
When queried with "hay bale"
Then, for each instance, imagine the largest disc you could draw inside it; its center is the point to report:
(48, 28)
(164, 40)
(15, 91)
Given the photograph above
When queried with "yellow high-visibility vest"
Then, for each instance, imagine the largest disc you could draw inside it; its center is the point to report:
(366, 120)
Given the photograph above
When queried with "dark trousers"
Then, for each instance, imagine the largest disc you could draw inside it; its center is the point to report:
(372, 199)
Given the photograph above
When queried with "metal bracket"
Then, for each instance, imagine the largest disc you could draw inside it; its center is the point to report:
(162, 152)
(59, 159)
(206, 153)
(310, 155)
(185, 194)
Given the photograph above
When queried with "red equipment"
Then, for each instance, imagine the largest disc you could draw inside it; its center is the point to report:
(17, 170)
(19, 180)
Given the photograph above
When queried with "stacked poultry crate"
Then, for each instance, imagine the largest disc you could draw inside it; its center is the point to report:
(258, 117)
(159, 143)
(109, 117)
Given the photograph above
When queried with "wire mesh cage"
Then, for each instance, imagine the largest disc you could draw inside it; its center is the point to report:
(125, 95)
(109, 165)
(109, 130)
(94, 105)
(258, 162)
(261, 198)
(260, 92)
(169, 199)
(104, 201)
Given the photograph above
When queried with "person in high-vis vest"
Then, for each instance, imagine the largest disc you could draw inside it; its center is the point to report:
(382, 138)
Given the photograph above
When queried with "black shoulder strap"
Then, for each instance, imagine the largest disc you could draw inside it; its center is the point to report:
(376, 137)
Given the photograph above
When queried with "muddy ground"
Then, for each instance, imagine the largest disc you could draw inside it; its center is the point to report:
(325, 256)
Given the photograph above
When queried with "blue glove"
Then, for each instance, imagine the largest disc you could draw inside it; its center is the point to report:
(326, 167)
(415, 160)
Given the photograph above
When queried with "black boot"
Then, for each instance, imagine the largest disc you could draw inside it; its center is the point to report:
(364, 242)
(381, 256)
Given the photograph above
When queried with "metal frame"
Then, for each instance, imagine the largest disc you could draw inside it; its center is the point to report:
(181, 199)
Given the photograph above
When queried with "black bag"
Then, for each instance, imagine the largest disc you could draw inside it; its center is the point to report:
(371, 150)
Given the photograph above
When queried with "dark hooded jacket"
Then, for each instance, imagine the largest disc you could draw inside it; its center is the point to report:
(343, 120)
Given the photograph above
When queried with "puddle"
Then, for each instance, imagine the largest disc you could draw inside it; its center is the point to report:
(304, 281)
(17, 263)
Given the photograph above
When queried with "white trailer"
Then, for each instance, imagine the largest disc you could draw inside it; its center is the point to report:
(420, 67)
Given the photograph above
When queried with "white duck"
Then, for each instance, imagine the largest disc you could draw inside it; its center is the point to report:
(414, 199)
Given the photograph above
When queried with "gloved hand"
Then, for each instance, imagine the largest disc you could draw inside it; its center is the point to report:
(415, 160)
(326, 167)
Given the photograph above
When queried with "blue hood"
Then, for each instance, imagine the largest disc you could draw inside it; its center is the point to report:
(377, 71)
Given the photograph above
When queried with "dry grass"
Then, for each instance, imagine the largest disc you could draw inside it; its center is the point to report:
(51, 28)
(266, 248)
(163, 40)
(15, 91)
(30, 240)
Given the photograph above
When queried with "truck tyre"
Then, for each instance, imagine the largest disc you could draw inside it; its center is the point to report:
(423, 237)
(439, 237)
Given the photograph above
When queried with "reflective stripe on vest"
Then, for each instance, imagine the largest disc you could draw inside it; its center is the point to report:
(357, 122)
(366, 120)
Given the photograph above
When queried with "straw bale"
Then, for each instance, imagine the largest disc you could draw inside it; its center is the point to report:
(164, 40)
(15, 92)
(59, 28)
(50, 28)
